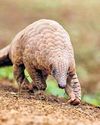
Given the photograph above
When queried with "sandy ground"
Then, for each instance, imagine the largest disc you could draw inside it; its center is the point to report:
(40, 109)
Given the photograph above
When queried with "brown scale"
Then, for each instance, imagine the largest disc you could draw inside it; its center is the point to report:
(43, 48)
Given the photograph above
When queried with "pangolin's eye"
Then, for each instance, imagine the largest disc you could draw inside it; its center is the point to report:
(54, 72)
(67, 74)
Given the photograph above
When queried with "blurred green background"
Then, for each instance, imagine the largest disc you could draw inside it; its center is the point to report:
(82, 21)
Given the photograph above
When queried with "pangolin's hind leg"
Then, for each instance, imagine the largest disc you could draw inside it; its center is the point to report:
(73, 88)
(20, 76)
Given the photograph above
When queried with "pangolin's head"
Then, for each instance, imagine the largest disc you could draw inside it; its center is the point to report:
(59, 70)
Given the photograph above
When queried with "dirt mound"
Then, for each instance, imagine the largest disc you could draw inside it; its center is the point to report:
(42, 109)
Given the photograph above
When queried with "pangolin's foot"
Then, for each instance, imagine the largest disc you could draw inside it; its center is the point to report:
(35, 87)
(74, 102)
(25, 85)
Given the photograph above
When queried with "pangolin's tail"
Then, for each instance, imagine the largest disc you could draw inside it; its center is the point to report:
(4, 57)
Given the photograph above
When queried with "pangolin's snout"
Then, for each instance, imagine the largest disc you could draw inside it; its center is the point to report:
(62, 86)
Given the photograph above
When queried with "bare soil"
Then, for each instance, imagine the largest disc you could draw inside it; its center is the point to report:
(42, 109)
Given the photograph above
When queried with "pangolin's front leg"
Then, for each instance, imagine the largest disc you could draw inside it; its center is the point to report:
(38, 78)
(73, 88)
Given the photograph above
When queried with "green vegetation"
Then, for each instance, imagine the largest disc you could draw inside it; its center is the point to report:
(6, 73)
(92, 99)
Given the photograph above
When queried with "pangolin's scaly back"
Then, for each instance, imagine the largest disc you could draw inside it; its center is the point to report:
(48, 40)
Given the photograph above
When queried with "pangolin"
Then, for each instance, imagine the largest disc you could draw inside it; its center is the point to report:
(43, 48)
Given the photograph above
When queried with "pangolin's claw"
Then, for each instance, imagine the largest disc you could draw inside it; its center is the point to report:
(74, 102)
